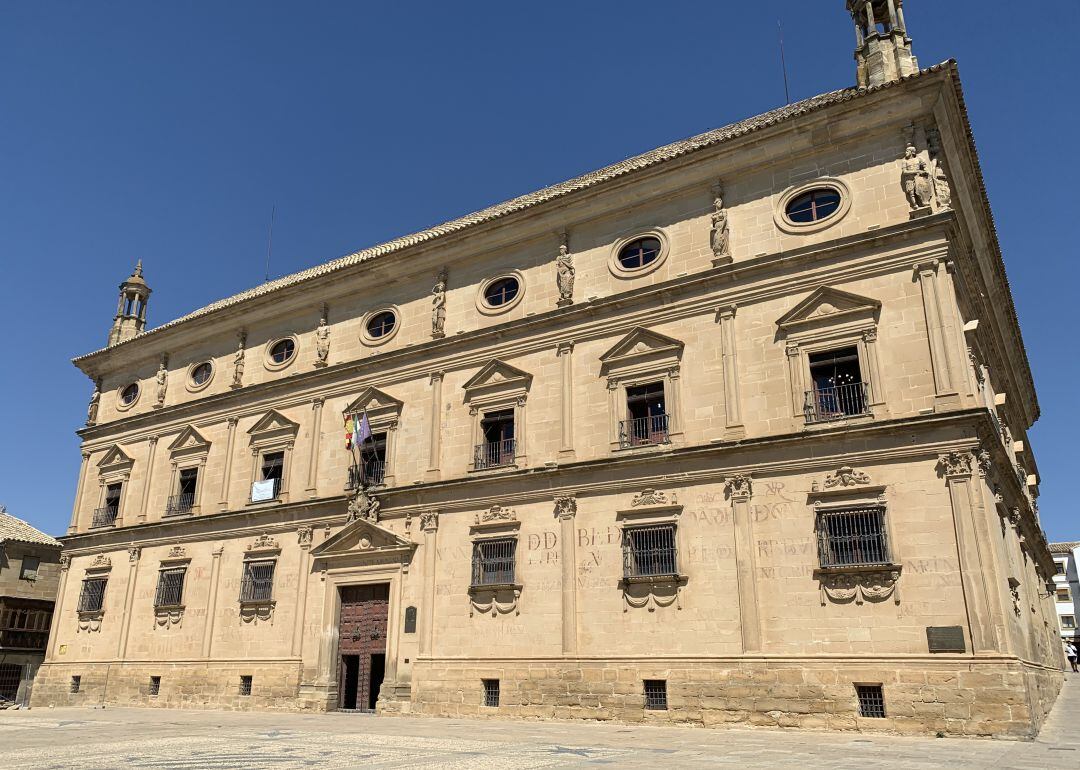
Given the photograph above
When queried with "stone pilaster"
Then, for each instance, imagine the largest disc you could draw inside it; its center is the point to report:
(134, 555)
(429, 522)
(303, 539)
(945, 394)
(58, 608)
(211, 604)
(316, 441)
(435, 436)
(733, 421)
(738, 490)
(565, 352)
(148, 480)
(566, 511)
(226, 476)
(73, 527)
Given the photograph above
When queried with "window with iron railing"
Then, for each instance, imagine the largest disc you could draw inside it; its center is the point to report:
(499, 447)
(839, 391)
(853, 537)
(646, 416)
(656, 694)
(372, 467)
(105, 516)
(170, 587)
(92, 595)
(257, 584)
(493, 561)
(268, 483)
(184, 499)
(649, 551)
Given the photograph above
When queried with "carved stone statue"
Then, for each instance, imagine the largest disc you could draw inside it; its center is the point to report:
(162, 379)
(95, 401)
(941, 186)
(438, 305)
(720, 235)
(238, 363)
(565, 275)
(915, 177)
(364, 505)
(322, 342)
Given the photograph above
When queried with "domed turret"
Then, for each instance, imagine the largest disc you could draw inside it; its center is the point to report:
(131, 308)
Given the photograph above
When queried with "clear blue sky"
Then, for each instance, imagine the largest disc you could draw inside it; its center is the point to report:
(167, 131)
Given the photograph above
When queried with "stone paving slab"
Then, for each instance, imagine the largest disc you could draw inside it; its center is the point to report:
(159, 739)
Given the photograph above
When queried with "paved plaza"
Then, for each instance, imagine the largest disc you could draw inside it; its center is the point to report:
(93, 739)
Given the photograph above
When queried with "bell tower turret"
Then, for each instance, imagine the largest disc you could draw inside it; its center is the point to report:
(131, 308)
(882, 46)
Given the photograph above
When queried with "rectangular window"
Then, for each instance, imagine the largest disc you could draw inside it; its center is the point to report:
(838, 389)
(155, 685)
(656, 694)
(493, 561)
(491, 692)
(258, 581)
(646, 416)
(245, 685)
(76, 683)
(1063, 594)
(1060, 567)
(92, 596)
(871, 700)
(271, 473)
(372, 467)
(499, 445)
(853, 537)
(106, 515)
(649, 551)
(170, 587)
(1068, 621)
(184, 499)
(29, 569)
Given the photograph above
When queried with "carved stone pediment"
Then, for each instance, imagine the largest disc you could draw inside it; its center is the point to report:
(364, 540)
(641, 346)
(271, 425)
(873, 584)
(377, 404)
(831, 306)
(189, 441)
(115, 459)
(497, 377)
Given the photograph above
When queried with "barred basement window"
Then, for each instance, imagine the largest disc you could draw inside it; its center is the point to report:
(491, 692)
(656, 694)
(871, 700)
(853, 537)
(76, 683)
(258, 582)
(155, 685)
(649, 551)
(170, 587)
(493, 561)
(92, 596)
(245, 685)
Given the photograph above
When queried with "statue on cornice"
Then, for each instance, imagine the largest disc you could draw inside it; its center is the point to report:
(238, 362)
(322, 342)
(720, 235)
(915, 177)
(162, 379)
(95, 402)
(565, 274)
(438, 305)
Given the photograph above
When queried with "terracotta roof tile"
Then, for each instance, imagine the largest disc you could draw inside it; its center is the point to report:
(18, 530)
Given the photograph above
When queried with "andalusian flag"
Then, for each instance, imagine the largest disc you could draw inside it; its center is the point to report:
(357, 431)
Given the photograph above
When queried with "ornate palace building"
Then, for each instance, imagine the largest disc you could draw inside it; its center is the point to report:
(731, 431)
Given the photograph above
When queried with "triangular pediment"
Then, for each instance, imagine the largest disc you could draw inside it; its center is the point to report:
(828, 304)
(189, 439)
(273, 422)
(361, 538)
(642, 343)
(498, 373)
(113, 457)
(372, 399)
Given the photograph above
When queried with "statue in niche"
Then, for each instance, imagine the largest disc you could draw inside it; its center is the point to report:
(915, 177)
(162, 380)
(438, 305)
(565, 274)
(322, 342)
(95, 402)
(720, 235)
(238, 362)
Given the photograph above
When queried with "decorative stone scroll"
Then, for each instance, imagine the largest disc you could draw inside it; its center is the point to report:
(90, 622)
(496, 513)
(257, 612)
(177, 552)
(101, 561)
(495, 600)
(846, 476)
(651, 497)
(264, 543)
(873, 585)
(167, 617)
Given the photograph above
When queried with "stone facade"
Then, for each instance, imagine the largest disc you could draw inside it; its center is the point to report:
(743, 615)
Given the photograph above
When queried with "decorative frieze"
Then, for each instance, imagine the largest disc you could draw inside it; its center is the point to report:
(846, 476)
(873, 585)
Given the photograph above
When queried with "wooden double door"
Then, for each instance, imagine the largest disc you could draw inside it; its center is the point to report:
(362, 628)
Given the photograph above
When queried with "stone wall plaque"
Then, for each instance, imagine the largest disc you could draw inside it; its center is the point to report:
(410, 620)
(945, 638)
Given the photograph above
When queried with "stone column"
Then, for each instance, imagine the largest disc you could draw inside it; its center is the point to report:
(134, 553)
(58, 608)
(211, 603)
(956, 468)
(944, 390)
(148, 479)
(566, 510)
(303, 539)
(795, 373)
(738, 489)
(435, 438)
(565, 352)
(873, 366)
(989, 540)
(316, 436)
(429, 522)
(733, 422)
(226, 476)
(74, 525)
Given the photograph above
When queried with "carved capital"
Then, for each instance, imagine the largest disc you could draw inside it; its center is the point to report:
(436, 377)
(869, 335)
(738, 487)
(726, 312)
(564, 348)
(565, 507)
(317, 402)
(65, 562)
(134, 552)
(233, 421)
(955, 464)
(303, 535)
(429, 521)
(792, 349)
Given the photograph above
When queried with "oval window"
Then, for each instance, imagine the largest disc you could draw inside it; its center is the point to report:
(501, 292)
(129, 394)
(639, 253)
(282, 351)
(201, 374)
(381, 324)
(814, 205)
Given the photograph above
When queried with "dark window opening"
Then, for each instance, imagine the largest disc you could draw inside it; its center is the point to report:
(76, 683)
(838, 387)
(184, 499)
(852, 537)
(493, 561)
(501, 292)
(656, 694)
(381, 324)
(491, 692)
(155, 685)
(245, 685)
(646, 416)
(92, 596)
(282, 351)
(499, 445)
(257, 584)
(129, 394)
(871, 700)
(649, 551)
(273, 469)
(201, 373)
(29, 570)
(813, 206)
(639, 253)
(372, 468)
(170, 588)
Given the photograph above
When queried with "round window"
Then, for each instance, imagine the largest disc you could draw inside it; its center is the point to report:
(201, 374)
(501, 292)
(129, 394)
(813, 205)
(639, 253)
(282, 351)
(381, 324)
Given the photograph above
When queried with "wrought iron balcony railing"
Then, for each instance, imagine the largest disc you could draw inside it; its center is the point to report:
(370, 473)
(106, 516)
(180, 504)
(494, 454)
(836, 403)
(643, 431)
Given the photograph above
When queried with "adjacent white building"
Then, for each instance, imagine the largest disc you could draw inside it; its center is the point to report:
(1067, 587)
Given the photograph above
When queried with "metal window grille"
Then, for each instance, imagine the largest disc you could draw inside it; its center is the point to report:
(245, 685)
(258, 581)
(852, 537)
(10, 676)
(155, 685)
(491, 692)
(170, 587)
(494, 454)
(649, 551)
(493, 561)
(76, 683)
(92, 596)
(656, 694)
(871, 700)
